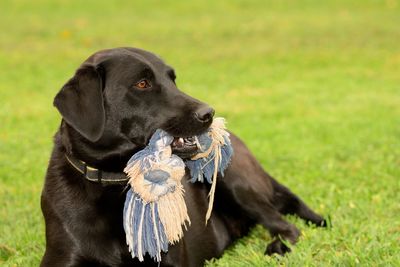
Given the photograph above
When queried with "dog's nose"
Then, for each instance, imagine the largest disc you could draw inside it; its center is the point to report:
(204, 114)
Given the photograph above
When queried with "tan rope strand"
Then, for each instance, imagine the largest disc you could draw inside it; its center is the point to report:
(213, 186)
(203, 154)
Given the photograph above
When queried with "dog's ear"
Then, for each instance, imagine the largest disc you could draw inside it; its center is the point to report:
(81, 104)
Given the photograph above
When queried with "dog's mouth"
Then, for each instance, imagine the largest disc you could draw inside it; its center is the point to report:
(185, 147)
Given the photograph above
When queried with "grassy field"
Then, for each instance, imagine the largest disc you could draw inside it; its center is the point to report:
(313, 87)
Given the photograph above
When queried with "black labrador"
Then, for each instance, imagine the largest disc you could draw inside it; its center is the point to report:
(110, 107)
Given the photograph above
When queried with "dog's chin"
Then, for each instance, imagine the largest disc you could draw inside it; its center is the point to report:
(185, 142)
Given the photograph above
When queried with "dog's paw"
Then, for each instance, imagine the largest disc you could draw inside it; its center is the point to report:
(326, 223)
(277, 247)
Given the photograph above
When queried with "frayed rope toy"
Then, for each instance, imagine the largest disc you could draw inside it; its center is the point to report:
(155, 211)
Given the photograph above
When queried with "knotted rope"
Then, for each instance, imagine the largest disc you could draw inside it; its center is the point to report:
(155, 212)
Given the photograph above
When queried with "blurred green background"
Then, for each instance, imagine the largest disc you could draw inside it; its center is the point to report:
(311, 86)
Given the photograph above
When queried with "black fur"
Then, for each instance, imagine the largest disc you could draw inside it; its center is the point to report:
(106, 118)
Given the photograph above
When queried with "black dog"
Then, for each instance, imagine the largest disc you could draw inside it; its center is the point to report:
(110, 108)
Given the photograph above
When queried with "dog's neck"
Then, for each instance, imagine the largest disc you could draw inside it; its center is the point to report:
(110, 156)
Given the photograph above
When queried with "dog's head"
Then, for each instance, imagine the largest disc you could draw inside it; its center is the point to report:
(119, 97)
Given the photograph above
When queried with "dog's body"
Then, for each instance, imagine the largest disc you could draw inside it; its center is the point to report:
(110, 108)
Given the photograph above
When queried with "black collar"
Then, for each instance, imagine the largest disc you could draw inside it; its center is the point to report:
(98, 176)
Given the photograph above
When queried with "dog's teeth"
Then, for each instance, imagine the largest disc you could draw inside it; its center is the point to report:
(180, 142)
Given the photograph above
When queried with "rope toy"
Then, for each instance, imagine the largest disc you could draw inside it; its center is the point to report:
(155, 211)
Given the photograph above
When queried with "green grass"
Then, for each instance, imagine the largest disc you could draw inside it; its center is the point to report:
(313, 87)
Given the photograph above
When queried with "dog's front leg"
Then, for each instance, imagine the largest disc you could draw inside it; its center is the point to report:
(257, 207)
(250, 188)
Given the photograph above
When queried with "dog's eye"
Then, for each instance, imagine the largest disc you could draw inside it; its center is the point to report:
(143, 84)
